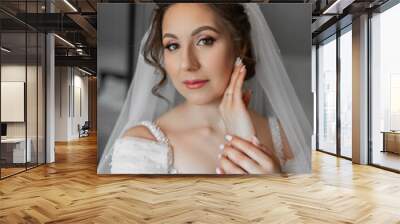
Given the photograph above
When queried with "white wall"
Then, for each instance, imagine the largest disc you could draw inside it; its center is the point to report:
(15, 72)
(79, 117)
(70, 83)
(62, 81)
(33, 126)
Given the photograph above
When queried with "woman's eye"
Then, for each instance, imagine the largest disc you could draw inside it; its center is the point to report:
(206, 41)
(171, 47)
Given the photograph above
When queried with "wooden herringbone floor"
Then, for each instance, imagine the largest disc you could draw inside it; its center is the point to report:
(70, 191)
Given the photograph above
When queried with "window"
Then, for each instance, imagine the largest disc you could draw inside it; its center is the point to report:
(327, 96)
(385, 88)
(346, 75)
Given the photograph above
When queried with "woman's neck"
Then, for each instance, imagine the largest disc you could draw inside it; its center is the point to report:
(206, 115)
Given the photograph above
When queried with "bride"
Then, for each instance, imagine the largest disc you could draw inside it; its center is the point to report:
(210, 95)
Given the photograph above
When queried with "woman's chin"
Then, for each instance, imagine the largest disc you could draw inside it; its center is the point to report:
(200, 99)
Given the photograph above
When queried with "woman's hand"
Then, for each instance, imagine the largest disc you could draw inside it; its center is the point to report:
(243, 157)
(233, 107)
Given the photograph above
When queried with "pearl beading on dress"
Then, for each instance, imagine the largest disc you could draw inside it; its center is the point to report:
(155, 131)
(161, 138)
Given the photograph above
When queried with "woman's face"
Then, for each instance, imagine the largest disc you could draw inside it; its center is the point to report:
(198, 53)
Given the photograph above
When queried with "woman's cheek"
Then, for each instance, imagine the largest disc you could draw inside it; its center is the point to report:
(222, 83)
(224, 68)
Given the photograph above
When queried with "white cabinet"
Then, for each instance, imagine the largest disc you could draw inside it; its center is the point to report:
(18, 149)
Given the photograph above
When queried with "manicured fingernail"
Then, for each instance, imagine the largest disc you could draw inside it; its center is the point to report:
(218, 171)
(242, 68)
(255, 140)
(228, 138)
(221, 147)
(238, 61)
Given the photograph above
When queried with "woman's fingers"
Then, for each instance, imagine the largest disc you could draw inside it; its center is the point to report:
(230, 167)
(241, 160)
(230, 90)
(264, 157)
(231, 87)
(239, 83)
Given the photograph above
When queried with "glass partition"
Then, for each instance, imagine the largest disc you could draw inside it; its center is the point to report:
(22, 78)
(32, 95)
(41, 91)
(32, 73)
(327, 95)
(14, 153)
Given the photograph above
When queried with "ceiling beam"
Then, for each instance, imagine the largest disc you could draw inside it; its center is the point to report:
(85, 61)
(337, 7)
(84, 24)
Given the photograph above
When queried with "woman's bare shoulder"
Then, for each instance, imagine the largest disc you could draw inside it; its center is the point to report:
(139, 131)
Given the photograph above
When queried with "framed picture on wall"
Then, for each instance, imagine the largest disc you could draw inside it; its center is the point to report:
(12, 101)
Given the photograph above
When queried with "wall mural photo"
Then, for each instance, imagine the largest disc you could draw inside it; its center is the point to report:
(206, 89)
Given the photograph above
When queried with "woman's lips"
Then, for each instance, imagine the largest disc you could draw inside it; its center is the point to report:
(195, 84)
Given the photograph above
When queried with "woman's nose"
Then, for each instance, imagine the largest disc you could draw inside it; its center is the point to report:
(189, 60)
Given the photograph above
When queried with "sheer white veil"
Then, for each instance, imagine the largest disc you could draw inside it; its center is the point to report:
(273, 95)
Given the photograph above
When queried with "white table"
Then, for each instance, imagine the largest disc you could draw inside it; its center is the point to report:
(19, 155)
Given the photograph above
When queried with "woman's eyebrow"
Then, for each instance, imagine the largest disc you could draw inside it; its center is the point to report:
(196, 31)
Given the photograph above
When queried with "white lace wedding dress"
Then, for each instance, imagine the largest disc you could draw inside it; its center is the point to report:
(132, 155)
